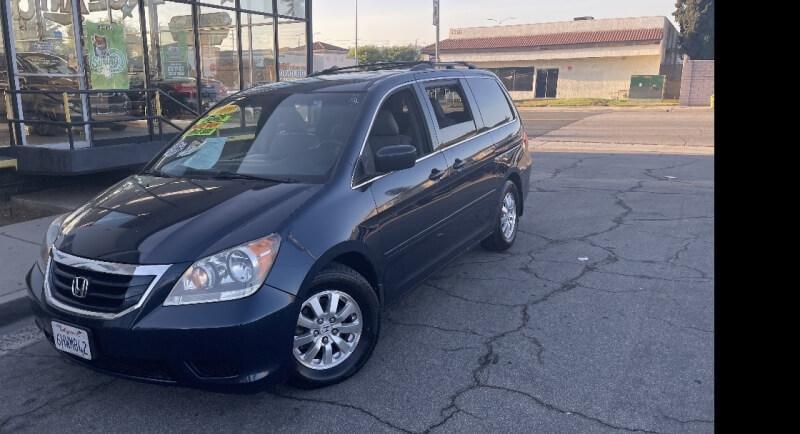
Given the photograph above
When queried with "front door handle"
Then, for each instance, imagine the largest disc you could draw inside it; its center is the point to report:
(459, 164)
(436, 174)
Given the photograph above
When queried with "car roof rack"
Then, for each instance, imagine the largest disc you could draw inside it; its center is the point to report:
(416, 65)
(427, 64)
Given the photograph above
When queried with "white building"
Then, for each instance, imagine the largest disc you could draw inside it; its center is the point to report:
(580, 58)
(330, 56)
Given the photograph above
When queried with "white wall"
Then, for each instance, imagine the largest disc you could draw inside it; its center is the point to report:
(588, 78)
(324, 60)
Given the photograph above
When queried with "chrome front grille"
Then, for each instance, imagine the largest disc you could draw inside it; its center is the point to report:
(106, 292)
(112, 289)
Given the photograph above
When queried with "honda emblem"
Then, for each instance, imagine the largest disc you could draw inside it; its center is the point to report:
(80, 287)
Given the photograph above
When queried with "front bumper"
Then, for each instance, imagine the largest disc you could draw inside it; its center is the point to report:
(233, 343)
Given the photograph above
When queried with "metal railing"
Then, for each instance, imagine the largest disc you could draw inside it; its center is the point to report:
(61, 99)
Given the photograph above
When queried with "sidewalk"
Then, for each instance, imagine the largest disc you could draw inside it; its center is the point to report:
(19, 246)
(20, 242)
(666, 108)
(62, 199)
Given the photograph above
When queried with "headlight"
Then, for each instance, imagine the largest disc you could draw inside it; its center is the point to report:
(227, 275)
(49, 239)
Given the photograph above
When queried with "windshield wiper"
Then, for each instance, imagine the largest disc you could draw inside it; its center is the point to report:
(236, 175)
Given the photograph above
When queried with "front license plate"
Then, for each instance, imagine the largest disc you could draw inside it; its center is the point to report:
(71, 340)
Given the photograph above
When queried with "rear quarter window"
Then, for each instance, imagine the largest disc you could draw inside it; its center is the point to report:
(492, 102)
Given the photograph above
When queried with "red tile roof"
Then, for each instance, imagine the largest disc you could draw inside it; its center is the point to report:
(552, 39)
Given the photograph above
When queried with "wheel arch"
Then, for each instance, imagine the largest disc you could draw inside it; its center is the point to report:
(354, 255)
(517, 180)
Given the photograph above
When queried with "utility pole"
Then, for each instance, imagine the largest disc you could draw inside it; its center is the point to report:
(436, 23)
(356, 32)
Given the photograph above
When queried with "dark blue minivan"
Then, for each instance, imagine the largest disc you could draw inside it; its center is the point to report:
(263, 242)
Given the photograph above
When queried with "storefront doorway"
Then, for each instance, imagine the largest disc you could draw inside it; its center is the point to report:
(546, 83)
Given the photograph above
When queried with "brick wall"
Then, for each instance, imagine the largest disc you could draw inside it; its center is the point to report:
(697, 82)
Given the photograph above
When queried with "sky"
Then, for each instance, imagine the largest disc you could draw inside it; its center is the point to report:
(404, 22)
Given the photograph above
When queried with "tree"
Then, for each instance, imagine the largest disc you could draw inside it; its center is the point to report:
(372, 53)
(696, 21)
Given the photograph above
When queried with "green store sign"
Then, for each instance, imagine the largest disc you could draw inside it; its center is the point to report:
(108, 61)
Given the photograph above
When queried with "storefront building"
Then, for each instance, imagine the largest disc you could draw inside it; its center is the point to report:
(93, 85)
(613, 58)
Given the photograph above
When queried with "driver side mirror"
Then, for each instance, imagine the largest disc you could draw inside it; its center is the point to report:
(395, 157)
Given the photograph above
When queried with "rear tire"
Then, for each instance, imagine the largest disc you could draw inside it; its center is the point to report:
(506, 220)
(323, 355)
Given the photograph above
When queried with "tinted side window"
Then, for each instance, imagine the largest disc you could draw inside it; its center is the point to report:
(453, 115)
(492, 102)
(399, 121)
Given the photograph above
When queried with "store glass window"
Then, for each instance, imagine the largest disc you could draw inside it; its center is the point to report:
(516, 79)
(114, 59)
(292, 56)
(47, 64)
(292, 8)
(256, 5)
(5, 138)
(219, 55)
(258, 53)
(223, 3)
(172, 60)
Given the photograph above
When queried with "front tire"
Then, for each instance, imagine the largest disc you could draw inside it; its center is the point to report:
(507, 220)
(337, 328)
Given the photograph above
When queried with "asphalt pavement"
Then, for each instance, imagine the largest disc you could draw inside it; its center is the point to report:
(599, 319)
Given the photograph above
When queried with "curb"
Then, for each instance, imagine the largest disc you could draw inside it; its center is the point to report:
(14, 306)
(665, 108)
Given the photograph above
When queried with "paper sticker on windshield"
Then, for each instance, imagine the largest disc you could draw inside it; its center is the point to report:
(225, 110)
(208, 125)
(204, 128)
(194, 145)
(207, 154)
(174, 149)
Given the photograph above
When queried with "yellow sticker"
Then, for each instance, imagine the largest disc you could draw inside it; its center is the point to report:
(225, 110)
(210, 124)
(196, 131)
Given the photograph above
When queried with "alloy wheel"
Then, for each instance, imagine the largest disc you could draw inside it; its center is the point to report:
(508, 216)
(328, 330)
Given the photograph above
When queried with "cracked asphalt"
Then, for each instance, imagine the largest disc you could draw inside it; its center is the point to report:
(599, 319)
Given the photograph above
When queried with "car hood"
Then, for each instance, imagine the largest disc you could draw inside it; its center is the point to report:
(154, 220)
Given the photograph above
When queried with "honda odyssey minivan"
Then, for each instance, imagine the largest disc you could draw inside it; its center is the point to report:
(263, 243)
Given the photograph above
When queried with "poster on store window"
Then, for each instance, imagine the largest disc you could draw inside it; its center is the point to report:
(108, 61)
(175, 58)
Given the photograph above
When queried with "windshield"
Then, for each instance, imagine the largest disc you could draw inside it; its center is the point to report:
(287, 137)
